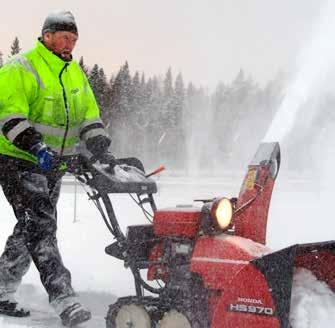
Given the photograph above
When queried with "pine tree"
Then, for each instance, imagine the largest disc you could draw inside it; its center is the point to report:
(82, 65)
(121, 109)
(15, 47)
(111, 81)
(177, 119)
(197, 129)
(135, 93)
(143, 85)
(121, 92)
(136, 118)
(103, 87)
(179, 97)
(100, 87)
(168, 94)
(144, 99)
(146, 119)
(93, 78)
(107, 118)
(168, 88)
(168, 118)
(224, 113)
(155, 131)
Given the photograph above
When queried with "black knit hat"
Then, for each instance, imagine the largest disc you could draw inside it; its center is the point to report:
(61, 21)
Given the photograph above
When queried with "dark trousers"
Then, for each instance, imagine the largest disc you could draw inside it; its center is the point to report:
(33, 196)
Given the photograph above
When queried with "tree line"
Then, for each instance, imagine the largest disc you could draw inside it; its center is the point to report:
(14, 49)
(162, 120)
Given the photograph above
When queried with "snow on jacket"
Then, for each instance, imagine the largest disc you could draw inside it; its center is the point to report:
(43, 98)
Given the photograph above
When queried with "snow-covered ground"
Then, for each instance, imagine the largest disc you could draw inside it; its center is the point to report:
(298, 214)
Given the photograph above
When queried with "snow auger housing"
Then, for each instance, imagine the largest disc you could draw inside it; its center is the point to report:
(211, 264)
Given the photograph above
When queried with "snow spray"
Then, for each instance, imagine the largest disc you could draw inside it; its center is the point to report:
(314, 62)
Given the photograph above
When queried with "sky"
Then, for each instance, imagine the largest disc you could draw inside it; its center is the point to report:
(207, 41)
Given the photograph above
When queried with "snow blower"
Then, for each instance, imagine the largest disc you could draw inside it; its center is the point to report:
(210, 265)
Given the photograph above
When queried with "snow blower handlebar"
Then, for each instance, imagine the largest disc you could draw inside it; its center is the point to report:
(111, 175)
(126, 175)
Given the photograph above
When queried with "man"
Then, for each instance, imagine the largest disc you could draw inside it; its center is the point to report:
(46, 107)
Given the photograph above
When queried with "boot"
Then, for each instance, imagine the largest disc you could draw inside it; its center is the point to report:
(12, 309)
(9, 306)
(74, 315)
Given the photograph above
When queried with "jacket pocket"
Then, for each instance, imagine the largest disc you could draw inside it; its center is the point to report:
(76, 108)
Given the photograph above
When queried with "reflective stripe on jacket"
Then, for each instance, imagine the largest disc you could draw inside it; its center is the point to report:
(40, 90)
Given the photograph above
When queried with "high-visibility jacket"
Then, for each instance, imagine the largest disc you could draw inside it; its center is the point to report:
(40, 91)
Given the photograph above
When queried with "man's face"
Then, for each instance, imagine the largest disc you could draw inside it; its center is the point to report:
(61, 43)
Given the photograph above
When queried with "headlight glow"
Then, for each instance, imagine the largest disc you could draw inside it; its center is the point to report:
(222, 212)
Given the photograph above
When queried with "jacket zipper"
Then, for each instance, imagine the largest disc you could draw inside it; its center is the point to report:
(66, 109)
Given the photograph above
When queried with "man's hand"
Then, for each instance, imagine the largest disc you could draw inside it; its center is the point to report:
(45, 157)
(98, 145)
(106, 158)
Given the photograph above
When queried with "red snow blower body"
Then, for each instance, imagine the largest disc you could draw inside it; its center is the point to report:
(211, 262)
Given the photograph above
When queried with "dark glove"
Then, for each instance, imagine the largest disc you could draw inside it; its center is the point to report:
(45, 157)
(98, 145)
(107, 158)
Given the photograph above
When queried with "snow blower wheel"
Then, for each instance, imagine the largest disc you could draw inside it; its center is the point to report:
(128, 316)
(174, 319)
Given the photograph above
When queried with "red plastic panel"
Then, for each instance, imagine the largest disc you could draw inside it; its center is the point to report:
(218, 260)
(240, 293)
(321, 263)
(157, 271)
(253, 204)
(180, 222)
(245, 302)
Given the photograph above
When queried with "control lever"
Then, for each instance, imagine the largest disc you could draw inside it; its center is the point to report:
(158, 170)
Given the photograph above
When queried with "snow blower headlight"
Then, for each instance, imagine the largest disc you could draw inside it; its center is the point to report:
(222, 212)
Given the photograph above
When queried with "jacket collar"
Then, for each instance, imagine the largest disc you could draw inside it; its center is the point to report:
(55, 63)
